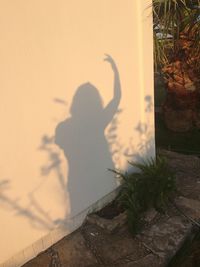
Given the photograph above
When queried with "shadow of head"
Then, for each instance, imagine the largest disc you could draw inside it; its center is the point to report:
(86, 101)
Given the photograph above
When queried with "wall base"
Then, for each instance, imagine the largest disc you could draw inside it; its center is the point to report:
(57, 234)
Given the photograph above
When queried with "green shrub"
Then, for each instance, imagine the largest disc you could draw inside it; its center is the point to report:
(150, 186)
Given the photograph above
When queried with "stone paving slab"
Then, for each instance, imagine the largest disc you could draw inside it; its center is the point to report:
(73, 252)
(187, 169)
(190, 207)
(112, 248)
(42, 260)
(148, 261)
(167, 236)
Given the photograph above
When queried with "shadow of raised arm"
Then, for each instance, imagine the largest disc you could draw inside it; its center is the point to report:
(111, 108)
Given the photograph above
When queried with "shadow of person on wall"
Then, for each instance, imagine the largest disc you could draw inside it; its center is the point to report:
(82, 139)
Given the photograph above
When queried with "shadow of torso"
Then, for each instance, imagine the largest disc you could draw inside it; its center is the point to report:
(82, 139)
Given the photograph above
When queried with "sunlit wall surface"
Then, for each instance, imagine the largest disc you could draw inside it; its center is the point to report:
(67, 115)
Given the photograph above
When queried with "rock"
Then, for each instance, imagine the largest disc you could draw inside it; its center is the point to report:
(190, 207)
(150, 215)
(187, 171)
(42, 260)
(109, 225)
(167, 236)
(149, 260)
(73, 251)
(113, 248)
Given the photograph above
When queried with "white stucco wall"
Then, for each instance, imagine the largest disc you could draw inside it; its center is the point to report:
(48, 49)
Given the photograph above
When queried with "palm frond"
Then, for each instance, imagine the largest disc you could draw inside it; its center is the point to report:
(171, 18)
